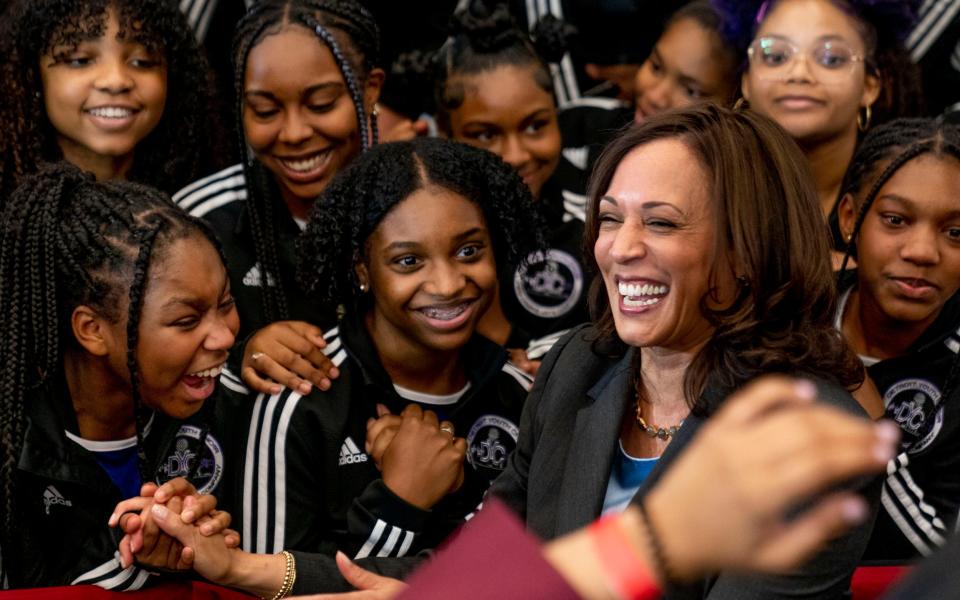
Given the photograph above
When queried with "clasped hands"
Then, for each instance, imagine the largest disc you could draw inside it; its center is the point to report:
(144, 543)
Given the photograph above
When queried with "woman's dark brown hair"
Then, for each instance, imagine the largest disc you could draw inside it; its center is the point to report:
(768, 218)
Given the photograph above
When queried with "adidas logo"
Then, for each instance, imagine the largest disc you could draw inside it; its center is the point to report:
(51, 496)
(253, 278)
(350, 454)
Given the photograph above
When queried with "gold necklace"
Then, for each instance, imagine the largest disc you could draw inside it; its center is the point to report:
(656, 432)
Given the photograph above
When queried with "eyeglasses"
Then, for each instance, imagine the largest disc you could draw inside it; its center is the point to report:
(830, 60)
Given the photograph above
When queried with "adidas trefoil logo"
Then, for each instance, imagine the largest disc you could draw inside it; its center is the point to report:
(51, 496)
(350, 454)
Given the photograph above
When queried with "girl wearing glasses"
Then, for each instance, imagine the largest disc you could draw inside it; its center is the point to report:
(826, 70)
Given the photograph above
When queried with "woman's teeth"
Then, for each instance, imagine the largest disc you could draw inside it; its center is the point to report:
(214, 372)
(444, 313)
(111, 112)
(635, 294)
(306, 165)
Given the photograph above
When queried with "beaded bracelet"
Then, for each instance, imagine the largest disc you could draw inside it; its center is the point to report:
(656, 548)
(289, 577)
(628, 574)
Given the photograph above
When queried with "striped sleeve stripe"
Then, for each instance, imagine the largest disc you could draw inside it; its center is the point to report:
(111, 576)
(265, 468)
(389, 547)
(391, 542)
(375, 535)
(932, 23)
(198, 13)
(249, 471)
(903, 500)
(539, 347)
(219, 190)
(227, 173)
(280, 474)
(525, 381)
(138, 581)
(217, 201)
(334, 347)
(232, 382)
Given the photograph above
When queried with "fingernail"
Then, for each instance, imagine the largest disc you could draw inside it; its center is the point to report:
(305, 388)
(206, 529)
(888, 431)
(187, 516)
(806, 389)
(160, 511)
(275, 390)
(113, 520)
(854, 511)
(324, 384)
(160, 496)
(334, 373)
(884, 452)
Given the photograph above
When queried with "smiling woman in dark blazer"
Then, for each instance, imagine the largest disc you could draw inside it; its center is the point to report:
(712, 268)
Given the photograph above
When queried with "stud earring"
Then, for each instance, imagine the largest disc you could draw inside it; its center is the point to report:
(363, 287)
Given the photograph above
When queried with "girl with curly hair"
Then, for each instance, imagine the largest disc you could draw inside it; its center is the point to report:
(826, 70)
(900, 310)
(116, 319)
(117, 87)
(424, 414)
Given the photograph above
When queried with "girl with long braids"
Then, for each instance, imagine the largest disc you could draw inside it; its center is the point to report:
(306, 83)
(900, 310)
(117, 87)
(116, 316)
(826, 70)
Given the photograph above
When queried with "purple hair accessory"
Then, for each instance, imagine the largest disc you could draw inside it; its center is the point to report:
(762, 13)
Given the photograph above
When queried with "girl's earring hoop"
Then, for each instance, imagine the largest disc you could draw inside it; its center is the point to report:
(741, 104)
(863, 119)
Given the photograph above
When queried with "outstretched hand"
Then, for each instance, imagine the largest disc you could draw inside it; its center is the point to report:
(727, 503)
(370, 586)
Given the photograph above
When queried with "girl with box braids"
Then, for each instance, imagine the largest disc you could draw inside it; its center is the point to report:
(68, 242)
(351, 34)
(898, 217)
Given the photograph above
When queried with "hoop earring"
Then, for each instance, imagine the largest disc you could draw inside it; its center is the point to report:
(376, 110)
(741, 104)
(863, 119)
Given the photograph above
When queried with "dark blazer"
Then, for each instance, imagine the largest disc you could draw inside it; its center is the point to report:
(556, 478)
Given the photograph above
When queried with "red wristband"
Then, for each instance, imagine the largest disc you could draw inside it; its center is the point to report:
(626, 570)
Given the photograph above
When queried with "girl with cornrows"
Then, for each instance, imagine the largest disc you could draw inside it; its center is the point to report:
(826, 70)
(899, 309)
(306, 82)
(116, 317)
(116, 87)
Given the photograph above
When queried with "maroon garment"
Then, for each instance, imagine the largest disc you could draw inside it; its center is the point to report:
(492, 557)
